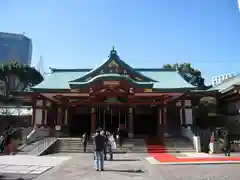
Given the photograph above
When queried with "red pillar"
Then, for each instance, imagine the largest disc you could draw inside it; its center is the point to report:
(93, 120)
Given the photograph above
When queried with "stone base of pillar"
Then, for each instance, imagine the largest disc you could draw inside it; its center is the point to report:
(130, 135)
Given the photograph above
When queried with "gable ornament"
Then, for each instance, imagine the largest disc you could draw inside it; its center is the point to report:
(113, 63)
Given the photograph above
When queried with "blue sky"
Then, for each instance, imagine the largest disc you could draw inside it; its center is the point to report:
(146, 33)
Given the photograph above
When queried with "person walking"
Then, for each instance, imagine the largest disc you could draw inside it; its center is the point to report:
(85, 141)
(99, 150)
(111, 146)
(106, 135)
(120, 137)
(227, 144)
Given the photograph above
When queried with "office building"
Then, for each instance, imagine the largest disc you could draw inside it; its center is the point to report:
(15, 47)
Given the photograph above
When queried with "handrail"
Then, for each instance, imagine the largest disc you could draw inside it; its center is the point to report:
(31, 133)
(47, 143)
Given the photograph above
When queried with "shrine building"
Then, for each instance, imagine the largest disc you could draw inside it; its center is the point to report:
(142, 101)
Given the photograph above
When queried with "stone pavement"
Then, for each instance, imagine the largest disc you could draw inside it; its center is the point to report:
(125, 166)
(200, 172)
(27, 165)
(134, 166)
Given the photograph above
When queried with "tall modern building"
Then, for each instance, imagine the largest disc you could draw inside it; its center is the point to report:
(219, 79)
(15, 47)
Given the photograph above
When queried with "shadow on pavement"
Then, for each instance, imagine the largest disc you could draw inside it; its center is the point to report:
(126, 160)
(11, 178)
(16, 177)
(125, 170)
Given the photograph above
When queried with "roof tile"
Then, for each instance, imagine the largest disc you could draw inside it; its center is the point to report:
(166, 79)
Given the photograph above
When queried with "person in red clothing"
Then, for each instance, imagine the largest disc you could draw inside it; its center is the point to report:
(8, 145)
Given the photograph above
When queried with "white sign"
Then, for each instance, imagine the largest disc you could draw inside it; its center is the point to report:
(57, 128)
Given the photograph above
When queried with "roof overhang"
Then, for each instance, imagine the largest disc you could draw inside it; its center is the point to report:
(75, 84)
(230, 88)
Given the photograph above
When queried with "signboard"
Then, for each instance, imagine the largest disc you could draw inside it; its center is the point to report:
(57, 128)
(111, 83)
(147, 90)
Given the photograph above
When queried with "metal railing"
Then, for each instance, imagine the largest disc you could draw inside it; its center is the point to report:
(43, 145)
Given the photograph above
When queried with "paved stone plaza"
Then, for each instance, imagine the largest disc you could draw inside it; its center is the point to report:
(25, 166)
(125, 166)
(134, 166)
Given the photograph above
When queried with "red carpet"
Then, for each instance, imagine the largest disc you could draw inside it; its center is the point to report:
(210, 159)
(159, 152)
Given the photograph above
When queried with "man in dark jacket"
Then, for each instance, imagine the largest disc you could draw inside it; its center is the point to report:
(99, 150)
(227, 144)
(85, 141)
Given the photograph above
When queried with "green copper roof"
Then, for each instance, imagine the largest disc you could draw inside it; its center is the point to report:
(227, 85)
(112, 64)
(60, 78)
(63, 79)
(111, 77)
(167, 78)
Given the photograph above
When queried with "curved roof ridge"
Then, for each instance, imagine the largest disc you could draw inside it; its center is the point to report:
(108, 75)
(114, 57)
(156, 69)
(53, 70)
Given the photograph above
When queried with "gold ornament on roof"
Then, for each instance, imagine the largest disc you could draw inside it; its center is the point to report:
(147, 90)
(113, 63)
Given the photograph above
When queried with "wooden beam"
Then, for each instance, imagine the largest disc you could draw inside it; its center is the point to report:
(49, 99)
(116, 103)
(229, 93)
(175, 98)
(154, 94)
(232, 98)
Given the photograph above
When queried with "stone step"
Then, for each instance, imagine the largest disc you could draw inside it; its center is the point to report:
(71, 142)
(88, 150)
(80, 145)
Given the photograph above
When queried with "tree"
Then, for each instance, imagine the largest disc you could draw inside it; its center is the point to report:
(189, 73)
(167, 66)
(209, 114)
(18, 77)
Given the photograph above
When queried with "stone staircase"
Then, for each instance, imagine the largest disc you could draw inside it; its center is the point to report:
(72, 145)
(75, 145)
(178, 145)
(36, 148)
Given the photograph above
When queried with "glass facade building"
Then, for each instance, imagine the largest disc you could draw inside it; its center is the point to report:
(15, 47)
